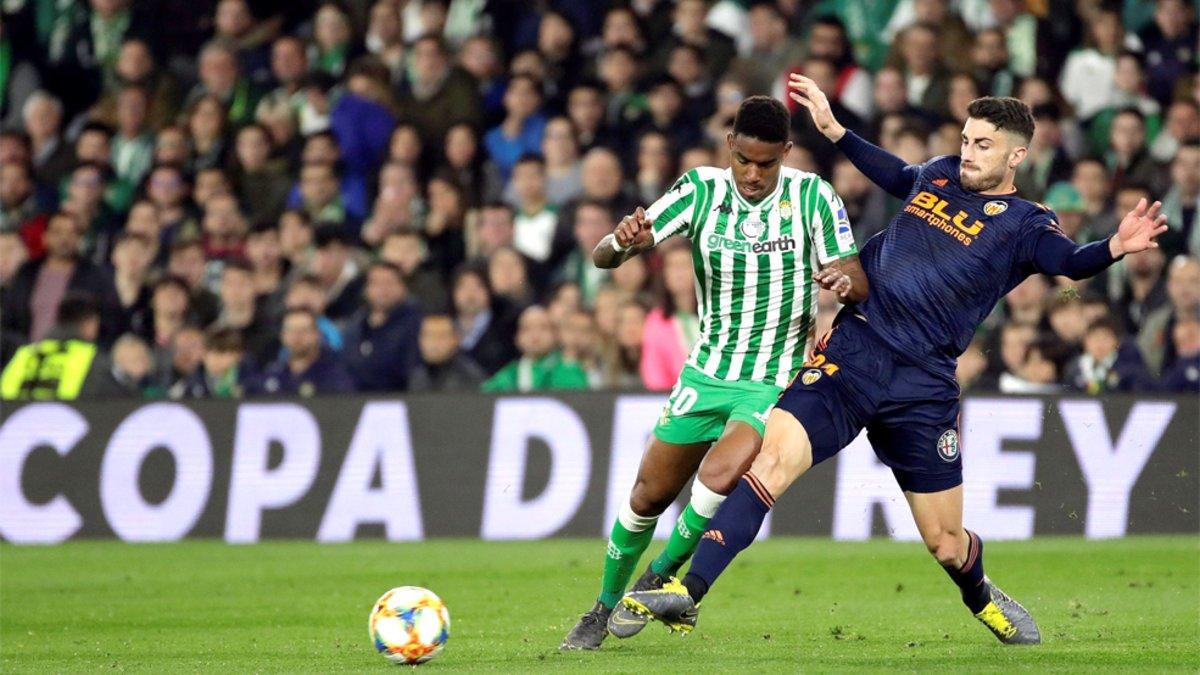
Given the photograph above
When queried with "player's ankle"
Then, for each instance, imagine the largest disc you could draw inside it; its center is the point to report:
(696, 587)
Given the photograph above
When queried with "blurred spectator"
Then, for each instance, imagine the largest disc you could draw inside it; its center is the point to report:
(1182, 203)
(1087, 76)
(444, 223)
(132, 256)
(540, 367)
(464, 165)
(1184, 375)
(585, 108)
(1170, 45)
(130, 370)
(522, 128)
(1155, 334)
(771, 50)
(222, 373)
(443, 367)
(989, 56)
(593, 220)
(577, 333)
(1128, 157)
(289, 64)
(561, 152)
(260, 182)
(20, 213)
(338, 271)
(331, 50)
(1028, 367)
(494, 229)
(1047, 162)
(1141, 289)
(239, 311)
(688, 27)
(971, 369)
(187, 262)
(535, 222)
(308, 293)
(42, 115)
(509, 277)
(486, 325)
(309, 368)
(39, 285)
(672, 327)
(440, 94)
(381, 339)
(222, 80)
(620, 364)
(181, 358)
(1181, 127)
(1108, 363)
(426, 285)
(926, 79)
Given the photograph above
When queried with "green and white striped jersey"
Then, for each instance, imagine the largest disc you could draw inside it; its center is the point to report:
(754, 265)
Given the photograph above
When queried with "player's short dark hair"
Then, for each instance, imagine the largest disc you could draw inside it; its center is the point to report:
(1004, 113)
(223, 340)
(764, 118)
(76, 308)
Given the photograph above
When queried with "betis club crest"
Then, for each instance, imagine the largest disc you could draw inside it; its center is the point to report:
(752, 228)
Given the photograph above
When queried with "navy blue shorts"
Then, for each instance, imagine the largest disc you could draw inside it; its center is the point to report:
(911, 415)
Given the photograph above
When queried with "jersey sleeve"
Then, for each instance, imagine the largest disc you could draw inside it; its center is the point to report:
(828, 224)
(1045, 248)
(672, 213)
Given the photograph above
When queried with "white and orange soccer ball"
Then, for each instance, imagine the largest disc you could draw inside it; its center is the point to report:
(409, 625)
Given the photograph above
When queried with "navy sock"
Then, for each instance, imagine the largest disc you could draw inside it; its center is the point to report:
(731, 530)
(969, 577)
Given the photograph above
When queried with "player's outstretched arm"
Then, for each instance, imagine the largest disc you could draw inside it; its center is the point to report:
(883, 168)
(633, 235)
(846, 278)
(1058, 255)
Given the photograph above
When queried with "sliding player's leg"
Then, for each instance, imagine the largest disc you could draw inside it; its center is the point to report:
(822, 411)
(916, 434)
(663, 473)
(960, 552)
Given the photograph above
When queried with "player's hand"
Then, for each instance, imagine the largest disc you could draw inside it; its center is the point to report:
(634, 231)
(804, 90)
(1138, 229)
(833, 279)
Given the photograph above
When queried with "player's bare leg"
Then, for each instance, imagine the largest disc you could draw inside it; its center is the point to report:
(724, 464)
(960, 552)
(662, 475)
(785, 456)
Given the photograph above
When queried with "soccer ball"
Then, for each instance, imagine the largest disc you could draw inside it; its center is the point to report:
(409, 625)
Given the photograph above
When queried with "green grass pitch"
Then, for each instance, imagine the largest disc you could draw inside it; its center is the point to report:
(786, 605)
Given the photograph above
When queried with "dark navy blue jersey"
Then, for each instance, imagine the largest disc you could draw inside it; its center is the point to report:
(937, 270)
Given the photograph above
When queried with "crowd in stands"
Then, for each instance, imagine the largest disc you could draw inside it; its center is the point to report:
(298, 198)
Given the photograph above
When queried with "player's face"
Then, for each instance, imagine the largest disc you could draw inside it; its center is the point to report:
(755, 164)
(988, 155)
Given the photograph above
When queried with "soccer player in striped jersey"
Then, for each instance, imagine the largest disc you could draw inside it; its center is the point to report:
(962, 240)
(764, 238)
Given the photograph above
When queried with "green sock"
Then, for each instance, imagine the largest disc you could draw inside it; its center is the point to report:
(625, 548)
(684, 538)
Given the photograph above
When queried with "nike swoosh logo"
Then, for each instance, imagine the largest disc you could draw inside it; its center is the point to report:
(619, 620)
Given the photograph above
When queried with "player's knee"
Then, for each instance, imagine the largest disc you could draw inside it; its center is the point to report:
(720, 475)
(945, 547)
(650, 498)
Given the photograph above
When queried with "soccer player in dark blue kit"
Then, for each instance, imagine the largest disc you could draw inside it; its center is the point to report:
(962, 240)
